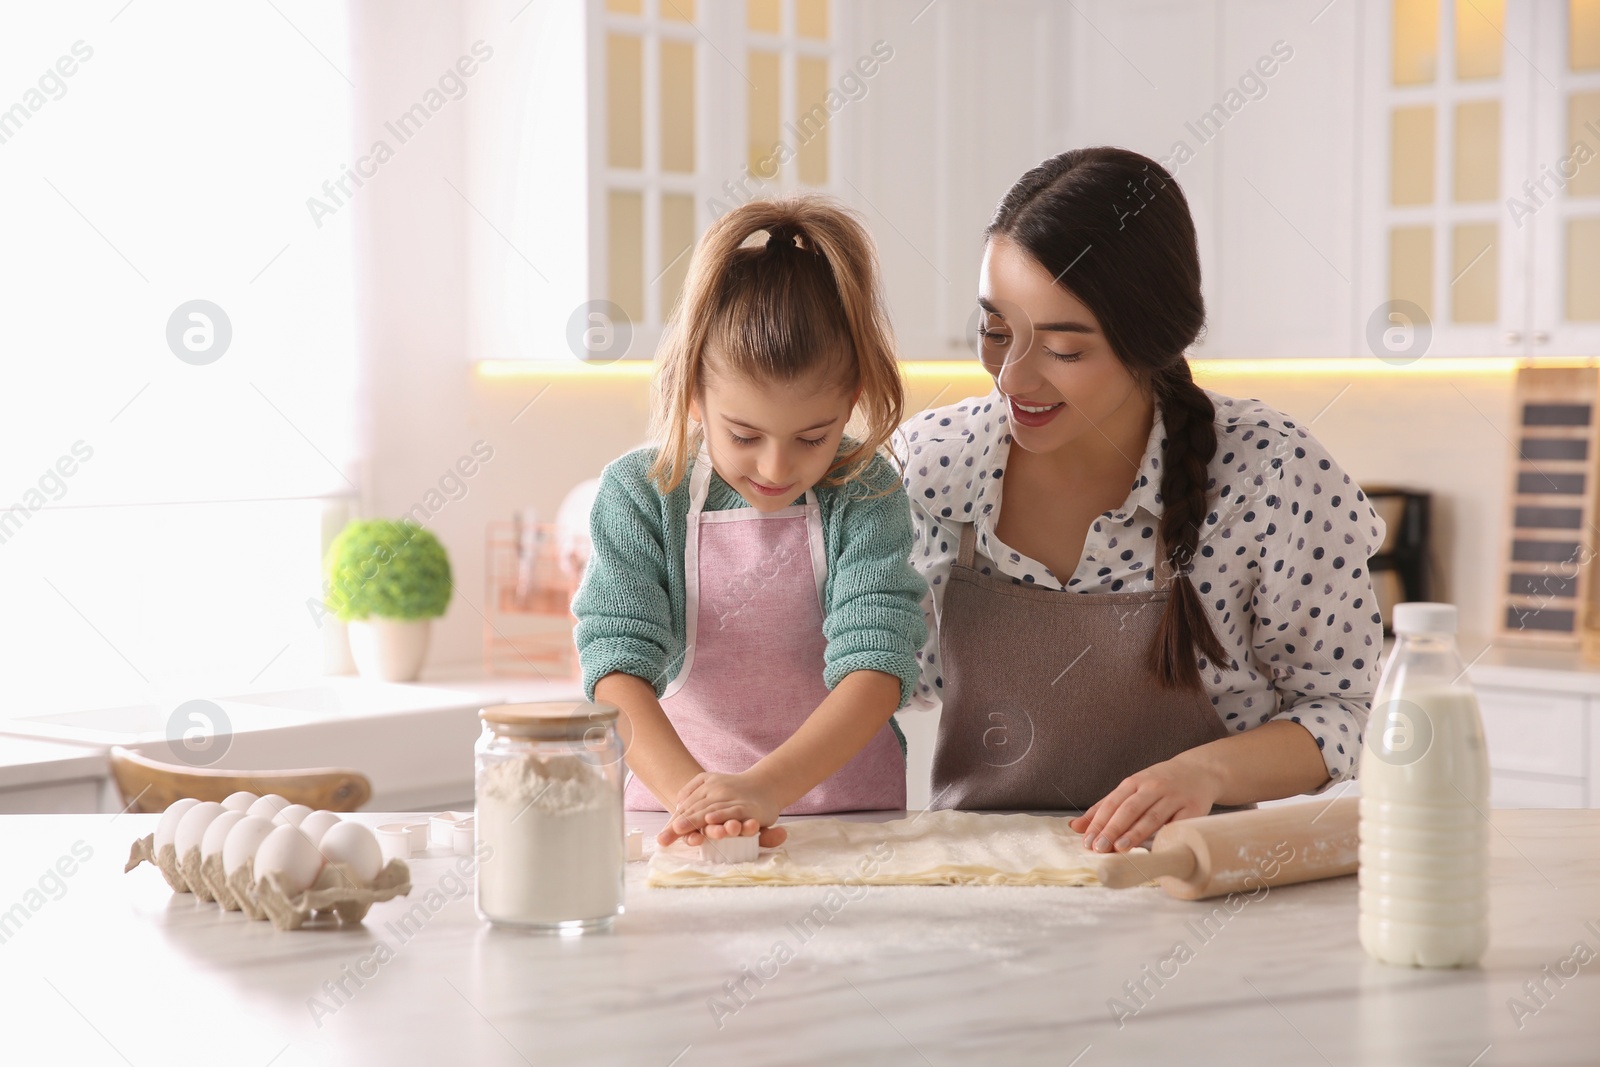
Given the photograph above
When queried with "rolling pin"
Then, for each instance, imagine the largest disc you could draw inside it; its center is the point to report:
(1242, 851)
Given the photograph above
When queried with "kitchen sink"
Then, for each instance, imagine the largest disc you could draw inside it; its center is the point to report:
(355, 697)
(336, 699)
(131, 718)
(413, 742)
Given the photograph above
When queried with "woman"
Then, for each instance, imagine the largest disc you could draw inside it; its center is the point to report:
(1146, 598)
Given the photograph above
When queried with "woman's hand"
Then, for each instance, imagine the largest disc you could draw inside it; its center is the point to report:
(1143, 803)
(725, 805)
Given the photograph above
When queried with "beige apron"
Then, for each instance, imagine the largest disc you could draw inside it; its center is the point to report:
(1050, 697)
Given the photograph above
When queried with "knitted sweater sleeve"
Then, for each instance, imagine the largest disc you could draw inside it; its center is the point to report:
(874, 595)
(623, 606)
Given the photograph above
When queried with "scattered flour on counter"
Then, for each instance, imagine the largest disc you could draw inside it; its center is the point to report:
(555, 828)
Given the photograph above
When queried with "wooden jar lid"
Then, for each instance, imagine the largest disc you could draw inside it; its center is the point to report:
(553, 720)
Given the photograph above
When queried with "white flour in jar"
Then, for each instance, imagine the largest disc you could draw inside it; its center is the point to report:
(555, 827)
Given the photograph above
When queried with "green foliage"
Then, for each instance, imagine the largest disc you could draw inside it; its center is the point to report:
(395, 570)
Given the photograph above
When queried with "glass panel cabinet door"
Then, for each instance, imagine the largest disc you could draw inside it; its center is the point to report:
(1447, 128)
(700, 105)
(1560, 201)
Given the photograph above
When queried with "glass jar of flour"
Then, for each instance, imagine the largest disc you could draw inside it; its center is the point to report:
(549, 816)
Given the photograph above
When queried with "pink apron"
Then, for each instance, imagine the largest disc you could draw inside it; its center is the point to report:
(752, 669)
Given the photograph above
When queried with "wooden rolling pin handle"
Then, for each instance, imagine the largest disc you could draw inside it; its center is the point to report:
(1119, 870)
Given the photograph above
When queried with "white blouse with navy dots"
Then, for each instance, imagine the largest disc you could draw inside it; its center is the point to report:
(1281, 563)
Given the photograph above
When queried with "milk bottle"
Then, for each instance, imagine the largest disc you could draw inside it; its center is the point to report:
(1424, 876)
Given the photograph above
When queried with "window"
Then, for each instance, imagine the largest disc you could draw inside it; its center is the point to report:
(169, 466)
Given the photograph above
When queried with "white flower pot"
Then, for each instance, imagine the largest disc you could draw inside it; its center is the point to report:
(389, 650)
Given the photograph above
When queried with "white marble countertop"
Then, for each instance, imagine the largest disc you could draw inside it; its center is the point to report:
(101, 967)
(1503, 663)
(29, 761)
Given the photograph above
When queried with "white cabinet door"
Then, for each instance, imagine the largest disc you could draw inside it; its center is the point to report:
(54, 798)
(1534, 732)
(1513, 791)
(1254, 108)
(1539, 747)
(1283, 272)
(1444, 134)
(1560, 182)
(968, 103)
(1523, 95)
(1140, 73)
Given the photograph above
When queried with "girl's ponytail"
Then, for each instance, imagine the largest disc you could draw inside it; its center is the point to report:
(804, 300)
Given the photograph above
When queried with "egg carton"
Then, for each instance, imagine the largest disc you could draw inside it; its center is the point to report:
(217, 881)
(336, 891)
(165, 861)
(185, 875)
(189, 867)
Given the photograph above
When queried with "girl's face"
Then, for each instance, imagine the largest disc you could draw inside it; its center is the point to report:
(772, 441)
(1045, 350)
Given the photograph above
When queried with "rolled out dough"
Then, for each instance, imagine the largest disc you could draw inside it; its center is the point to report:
(929, 848)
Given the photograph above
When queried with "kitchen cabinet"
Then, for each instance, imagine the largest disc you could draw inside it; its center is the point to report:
(1541, 719)
(39, 777)
(1250, 105)
(1481, 127)
(673, 112)
(1362, 175)
(974, 96)
(1542, 750)
(917, 115)
(1408, 170)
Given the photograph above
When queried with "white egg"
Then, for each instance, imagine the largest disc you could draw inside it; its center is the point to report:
(288, 854)
(267, 807)
(317, 823)
(168, 826)
(355, 845)
(217, 832)
(243, 840)
(293, 815)
(192, 827)
(240, 801)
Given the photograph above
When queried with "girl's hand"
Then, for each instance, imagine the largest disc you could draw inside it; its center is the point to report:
(725, 805)
(1145, 802)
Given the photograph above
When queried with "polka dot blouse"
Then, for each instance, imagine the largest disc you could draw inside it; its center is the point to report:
(1281, 563)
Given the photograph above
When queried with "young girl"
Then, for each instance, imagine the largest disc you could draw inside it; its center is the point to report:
(749, 604)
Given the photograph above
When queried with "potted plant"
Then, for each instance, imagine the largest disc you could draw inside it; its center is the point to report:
(387, 580)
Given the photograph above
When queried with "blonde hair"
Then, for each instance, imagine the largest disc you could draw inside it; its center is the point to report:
(807, 300)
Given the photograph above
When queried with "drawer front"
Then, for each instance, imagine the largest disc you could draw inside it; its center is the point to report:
(53, 798)
(1509, 791)
(1535, 732)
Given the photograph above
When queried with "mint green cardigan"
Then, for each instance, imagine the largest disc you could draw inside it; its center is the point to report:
(631, 604)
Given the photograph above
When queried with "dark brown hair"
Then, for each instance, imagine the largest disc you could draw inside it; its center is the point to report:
(805, 299)
(1113, 228)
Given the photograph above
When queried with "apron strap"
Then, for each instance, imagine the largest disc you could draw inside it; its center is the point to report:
(969, 541)
(699, 480)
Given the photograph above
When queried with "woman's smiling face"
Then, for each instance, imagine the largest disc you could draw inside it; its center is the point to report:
(1045, 350)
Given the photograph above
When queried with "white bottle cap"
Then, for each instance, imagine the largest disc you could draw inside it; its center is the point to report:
(1420, 617)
